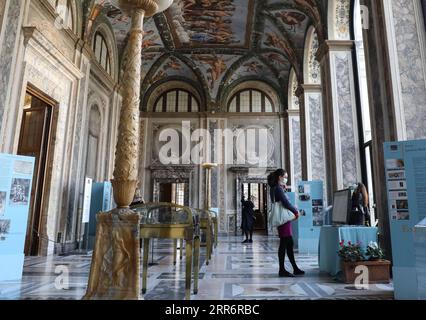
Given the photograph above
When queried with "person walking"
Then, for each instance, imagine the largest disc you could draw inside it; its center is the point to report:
(247, 223)
(278, 184)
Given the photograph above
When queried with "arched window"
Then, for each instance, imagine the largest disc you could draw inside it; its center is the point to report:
(251, 100)
(177, 100)
(101, 51)
(64, 9)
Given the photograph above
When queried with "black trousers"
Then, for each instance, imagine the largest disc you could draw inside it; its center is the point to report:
(286, 246)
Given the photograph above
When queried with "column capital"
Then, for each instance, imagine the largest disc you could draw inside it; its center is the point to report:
(150, 7)
(333, 45)
(293, 112)
(311, 88)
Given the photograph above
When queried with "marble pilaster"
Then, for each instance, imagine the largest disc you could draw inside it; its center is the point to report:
(315, 132)
(340, 115)
(407, 50)
(11, 21)
(295, 146)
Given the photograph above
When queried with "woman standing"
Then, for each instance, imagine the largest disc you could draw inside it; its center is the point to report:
(278, 183)
(247, 223)
(360, 212)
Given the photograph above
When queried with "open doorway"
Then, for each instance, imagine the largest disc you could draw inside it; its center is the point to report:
(173, 193)
(260, 193)
(34, 142)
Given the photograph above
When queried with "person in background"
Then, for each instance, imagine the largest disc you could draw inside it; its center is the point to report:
(360, 212)
(278, 184)
(137, 199)
(247, 223)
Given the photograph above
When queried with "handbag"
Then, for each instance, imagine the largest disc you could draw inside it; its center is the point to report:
(280, 215)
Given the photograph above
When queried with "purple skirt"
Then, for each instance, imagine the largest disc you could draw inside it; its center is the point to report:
(285, 230)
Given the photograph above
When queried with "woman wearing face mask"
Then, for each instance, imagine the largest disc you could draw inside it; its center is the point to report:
(278, 183)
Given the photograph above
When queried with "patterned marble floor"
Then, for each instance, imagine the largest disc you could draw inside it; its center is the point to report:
(237, 272)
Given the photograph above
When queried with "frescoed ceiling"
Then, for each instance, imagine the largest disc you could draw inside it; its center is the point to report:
(216, 43)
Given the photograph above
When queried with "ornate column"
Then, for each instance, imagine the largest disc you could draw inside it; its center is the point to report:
(208, 199)
(340, 114)
(115, 270)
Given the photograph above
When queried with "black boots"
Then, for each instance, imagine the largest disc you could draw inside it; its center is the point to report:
(285, 274)
(298, 272)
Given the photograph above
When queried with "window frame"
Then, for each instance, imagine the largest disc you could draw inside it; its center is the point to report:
(103, 46)
(263, 98)
(177, 108)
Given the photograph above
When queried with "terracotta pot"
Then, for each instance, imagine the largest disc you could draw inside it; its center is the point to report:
(378, 271)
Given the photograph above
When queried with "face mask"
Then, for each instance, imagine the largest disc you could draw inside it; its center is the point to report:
(283, 182)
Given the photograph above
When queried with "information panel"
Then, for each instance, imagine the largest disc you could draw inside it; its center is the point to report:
(100, 201)
(405, 164)
(16, 175)
(310, 199)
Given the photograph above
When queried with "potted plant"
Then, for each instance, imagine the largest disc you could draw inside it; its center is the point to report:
(353, 256)
(374, 252)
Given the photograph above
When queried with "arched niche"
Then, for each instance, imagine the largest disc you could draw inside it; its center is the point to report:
(311, 67)
(293, 100)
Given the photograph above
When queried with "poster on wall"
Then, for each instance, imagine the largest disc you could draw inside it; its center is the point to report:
(16, 176)
(318, 212)
(87, 200)
(397, 189)
(405, 165)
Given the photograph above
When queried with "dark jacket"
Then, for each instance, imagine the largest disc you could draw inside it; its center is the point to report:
(360, 214)
(247, 221)
(278, 193)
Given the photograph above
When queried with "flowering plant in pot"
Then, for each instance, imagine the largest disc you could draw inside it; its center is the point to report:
(353, 256)
(351, 252)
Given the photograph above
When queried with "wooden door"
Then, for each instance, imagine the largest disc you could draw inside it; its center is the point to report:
(34, 142)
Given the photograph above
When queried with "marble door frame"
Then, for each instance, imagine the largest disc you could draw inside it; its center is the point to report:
(173, 174)
(242, 176)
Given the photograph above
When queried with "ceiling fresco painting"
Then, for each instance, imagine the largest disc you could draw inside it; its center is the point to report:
(216, 43)
(213, 67)
(211, 22)
(173, 67)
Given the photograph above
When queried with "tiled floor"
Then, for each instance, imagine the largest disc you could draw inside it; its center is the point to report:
(237, 271)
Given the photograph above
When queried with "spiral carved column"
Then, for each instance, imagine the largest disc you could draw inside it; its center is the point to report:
(126, 157)
(115, 269)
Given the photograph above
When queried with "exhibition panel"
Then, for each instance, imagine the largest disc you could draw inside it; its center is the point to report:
(405, 164)
(16, 177)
